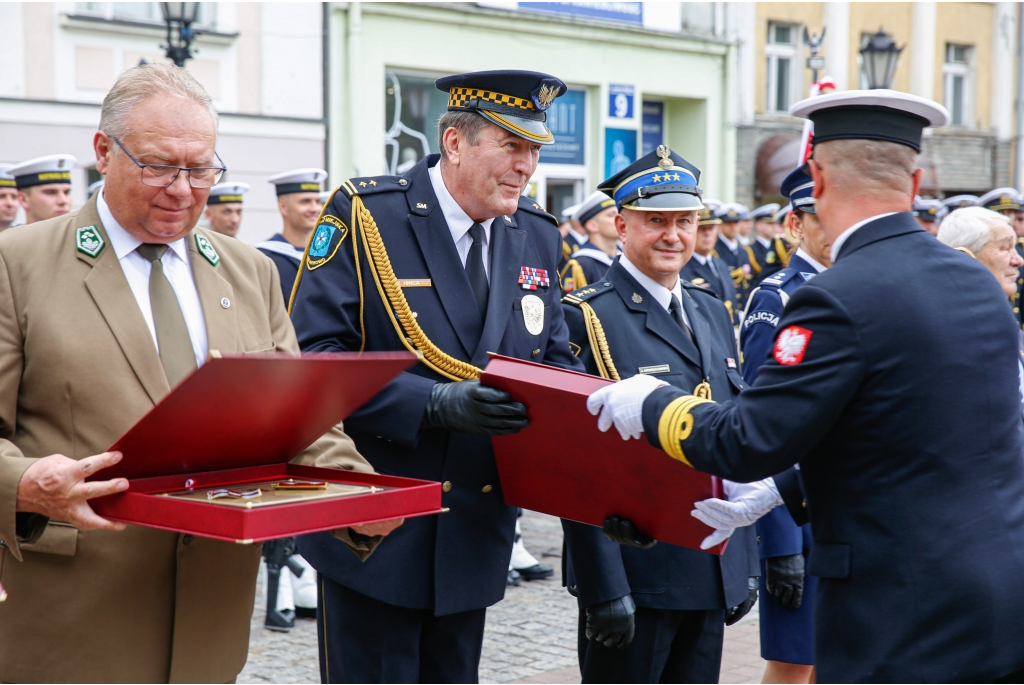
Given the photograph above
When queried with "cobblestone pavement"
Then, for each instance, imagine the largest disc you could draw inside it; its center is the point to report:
(530, 636)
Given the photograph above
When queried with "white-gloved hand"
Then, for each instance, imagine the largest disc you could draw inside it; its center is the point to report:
(621, 404)
(746, 504)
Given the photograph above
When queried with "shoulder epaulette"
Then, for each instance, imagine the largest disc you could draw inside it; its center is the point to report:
(578, 297)
(779, 278)
(696, 288)
(532, 207)
(369, 185)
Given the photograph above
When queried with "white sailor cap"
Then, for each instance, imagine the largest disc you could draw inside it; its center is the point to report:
(960, 201)
(226, 193)
(881, 114)
(6, 179)
(1001, 199)
(780, 216)
(569, 211)
(595, 203)
(298, 181)
(95, 186)
(43, 170)
(765, 212)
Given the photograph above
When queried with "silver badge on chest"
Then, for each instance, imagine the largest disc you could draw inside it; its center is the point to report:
(533, 314)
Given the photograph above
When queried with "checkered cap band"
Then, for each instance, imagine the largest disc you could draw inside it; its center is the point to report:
(460, 98)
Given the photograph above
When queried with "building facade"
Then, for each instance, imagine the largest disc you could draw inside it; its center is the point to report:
(262, 64)
(639, 75)
(961, 54)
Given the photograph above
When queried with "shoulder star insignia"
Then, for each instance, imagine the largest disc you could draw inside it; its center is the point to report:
(636, 298)
(537, 206)
(373, 183)
(362, 184)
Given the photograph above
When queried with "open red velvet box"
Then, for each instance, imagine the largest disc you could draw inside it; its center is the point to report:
(564, 466)
(234, 424)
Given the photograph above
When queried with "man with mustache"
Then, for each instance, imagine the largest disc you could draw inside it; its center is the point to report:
(451, 262)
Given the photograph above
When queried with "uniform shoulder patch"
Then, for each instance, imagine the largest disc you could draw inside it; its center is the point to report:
(370, 185)
(578, 297)
(791, 345)
(205, 248)
(328, 236)
(533, 207)
(702, 287)
(89, 241)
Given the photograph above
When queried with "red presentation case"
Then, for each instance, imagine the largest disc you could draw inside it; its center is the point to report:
(564, 466)
(237, 421)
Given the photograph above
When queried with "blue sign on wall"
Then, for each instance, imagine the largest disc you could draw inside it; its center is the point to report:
(567, 118)
(618, 12)
(619, 150)
(653, 126)
(620, 101)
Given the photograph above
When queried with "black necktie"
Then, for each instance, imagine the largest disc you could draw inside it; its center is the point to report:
(675, 310)
(475, 269)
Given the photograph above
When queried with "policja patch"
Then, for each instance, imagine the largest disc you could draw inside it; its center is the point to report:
(320, 250)
(205, 248)
(89, 241)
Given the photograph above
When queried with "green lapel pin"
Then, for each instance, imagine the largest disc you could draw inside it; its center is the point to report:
(89, 241)
(205, 248)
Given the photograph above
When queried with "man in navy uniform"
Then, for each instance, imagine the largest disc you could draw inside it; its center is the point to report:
(298, 200)
(764, 234)
(909, 451)
(959, 202)
(588, 263)
(657, 614)
(731, 251)
(451, 262)
(787, 603)
(704, 269)
(929, 214)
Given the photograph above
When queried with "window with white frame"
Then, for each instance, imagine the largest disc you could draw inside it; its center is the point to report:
(958, 84)
(144, 12)
(784, 75)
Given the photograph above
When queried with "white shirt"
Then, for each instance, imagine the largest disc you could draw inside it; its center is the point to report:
(660, 293)
(764, 241)
(731, 244)
(177, 269)
(459, 222)
(818, 266)
(580, 237)
(850, 231)
(702, 259)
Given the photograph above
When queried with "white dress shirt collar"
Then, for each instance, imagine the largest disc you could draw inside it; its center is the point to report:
(580, 237)
(764, 241)
(701, 259)
(660, 293)
(458, 221)
(818, 266)
(122, 241)
(845, 235)
(731, 244)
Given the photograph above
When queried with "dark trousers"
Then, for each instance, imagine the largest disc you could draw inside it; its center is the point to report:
(668, 647)
(364, 640)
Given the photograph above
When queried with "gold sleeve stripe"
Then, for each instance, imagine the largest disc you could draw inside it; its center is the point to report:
(676, 424)
(599, 344)
(410, 333)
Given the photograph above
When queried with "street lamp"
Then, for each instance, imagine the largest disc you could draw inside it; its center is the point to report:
(879, 58)
(179, 17)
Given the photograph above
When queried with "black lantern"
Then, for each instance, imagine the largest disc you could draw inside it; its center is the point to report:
(179, 17)
(879, 57)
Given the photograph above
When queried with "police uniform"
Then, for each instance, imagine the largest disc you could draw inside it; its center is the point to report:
(758, 247)
(587, 263)
(733, 254)
(383, 272)
(914, 479)
(681, 594)
(708, 271)
(787, 634)
(286, 256)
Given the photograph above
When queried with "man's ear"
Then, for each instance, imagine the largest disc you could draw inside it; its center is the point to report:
(23, 199)
(817, 176)
(794, 225)
(918, 176)
(452, 142)
(620, 226)
(101, 144)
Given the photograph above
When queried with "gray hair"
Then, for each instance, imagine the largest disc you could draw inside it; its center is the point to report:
(469, 124)
(140, 83)
(970, 227)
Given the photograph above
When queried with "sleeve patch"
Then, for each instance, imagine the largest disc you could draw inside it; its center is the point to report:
(761, 316)
(327, 238)
(791, 345)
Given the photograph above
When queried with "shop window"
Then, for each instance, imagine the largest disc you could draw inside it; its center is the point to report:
(783, 66)
(142, 12)
(958, 84)
(412, 107)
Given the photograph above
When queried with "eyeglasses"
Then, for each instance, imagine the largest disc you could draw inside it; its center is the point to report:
(162, 175)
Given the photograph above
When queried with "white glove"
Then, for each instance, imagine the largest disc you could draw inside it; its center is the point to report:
(747, 503)
(622, 404)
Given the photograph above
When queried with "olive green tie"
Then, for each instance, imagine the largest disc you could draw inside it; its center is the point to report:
(176, 353)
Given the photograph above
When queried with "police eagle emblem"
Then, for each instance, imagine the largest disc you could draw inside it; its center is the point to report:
(666, 159)
(791, 345)
(545, 96)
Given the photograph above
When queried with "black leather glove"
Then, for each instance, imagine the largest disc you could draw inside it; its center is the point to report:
(469, 407)
(623, 531)
(785, 579)
(733, 615)
(612, 624)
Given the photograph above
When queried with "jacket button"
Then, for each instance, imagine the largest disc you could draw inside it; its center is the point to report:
(402, 182)
(486, 488)
(186, 539)
(447, 486)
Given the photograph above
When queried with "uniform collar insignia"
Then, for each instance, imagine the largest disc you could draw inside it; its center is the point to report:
(89, 241)
(205, 248)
